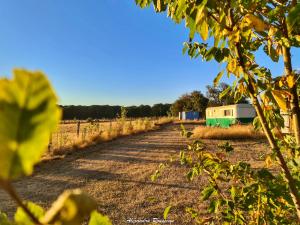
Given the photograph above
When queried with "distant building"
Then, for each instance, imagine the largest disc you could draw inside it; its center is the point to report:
(225, 116)
(190, 115)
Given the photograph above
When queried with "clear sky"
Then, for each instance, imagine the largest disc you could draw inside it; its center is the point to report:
(104, 51)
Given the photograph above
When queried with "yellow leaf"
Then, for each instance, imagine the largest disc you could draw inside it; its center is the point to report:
(158, 5)
(204, 30)
(272, 31)
(290, 81)
(256, 23)
(281, 99)
(201, 13)
(280, 83)
(236, 37)
(268, 161)
(231, 67)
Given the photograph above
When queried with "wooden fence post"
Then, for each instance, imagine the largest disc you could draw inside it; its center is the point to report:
(78, 129)
(50, 144)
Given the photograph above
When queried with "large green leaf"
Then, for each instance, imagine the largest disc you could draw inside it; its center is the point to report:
(28, 115)
(207, 192)
(98, 219)
(21, 217)
(294, 19)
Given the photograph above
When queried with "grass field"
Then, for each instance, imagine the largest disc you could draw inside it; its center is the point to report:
(89, 133)
(234, 132)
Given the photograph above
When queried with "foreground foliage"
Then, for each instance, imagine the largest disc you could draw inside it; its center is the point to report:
(237, 193)
(29, 114)
(237, 31)
(235, 132)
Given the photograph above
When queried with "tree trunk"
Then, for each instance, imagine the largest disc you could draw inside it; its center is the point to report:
(290, 180)
(295, 110)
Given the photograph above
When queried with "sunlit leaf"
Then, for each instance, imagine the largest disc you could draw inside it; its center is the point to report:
(218, 77)
(280, 97)
(159, 5)
(214, 206)
(22, 218)
(225, 92)
(166, 212)
(257, 23)
(290, 81)
(207, 192)
(29, 114)
(270, 51)
(204, 30)
(98, 219)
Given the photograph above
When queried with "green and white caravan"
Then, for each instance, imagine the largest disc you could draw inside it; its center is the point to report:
(225, 116)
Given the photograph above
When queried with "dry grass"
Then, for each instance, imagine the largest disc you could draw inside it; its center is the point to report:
(66, 139)
(191, 122)
(234, 132)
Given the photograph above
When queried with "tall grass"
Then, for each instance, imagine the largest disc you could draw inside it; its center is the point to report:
(101, 132)
(234, 132)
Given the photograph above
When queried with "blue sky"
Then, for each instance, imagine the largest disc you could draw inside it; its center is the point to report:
(104, 51)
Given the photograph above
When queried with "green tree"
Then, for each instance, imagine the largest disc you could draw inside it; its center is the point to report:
(160, 109)
(239, 29)
(213, 94)
(194, 101)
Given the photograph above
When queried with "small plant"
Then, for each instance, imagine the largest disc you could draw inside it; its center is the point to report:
(84, 134)
(184, 132)
(124, 112)
(157, 173)
(63, 139)
(226, 146)
(238, 194)
(147, 124)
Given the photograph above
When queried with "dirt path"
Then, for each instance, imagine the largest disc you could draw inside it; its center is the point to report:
(117, 175)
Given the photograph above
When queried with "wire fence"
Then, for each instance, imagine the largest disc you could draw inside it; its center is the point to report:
(77, 133)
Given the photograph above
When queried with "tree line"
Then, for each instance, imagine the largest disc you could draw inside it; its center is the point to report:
(80, 112)
(194, 101)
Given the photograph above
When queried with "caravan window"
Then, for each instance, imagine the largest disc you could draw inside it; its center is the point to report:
(228, 112)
